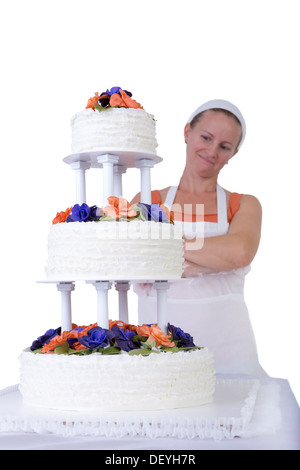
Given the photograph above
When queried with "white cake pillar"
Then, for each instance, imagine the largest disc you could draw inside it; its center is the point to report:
(80, 168)
(122, 287)
(162, 307)
(108, 162)
(102, 288)
(118, 188)
(65, 288)
(145, 165)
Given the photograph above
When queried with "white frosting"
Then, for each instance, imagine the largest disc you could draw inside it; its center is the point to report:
(124, 129)
(114, 250)
(117, 382)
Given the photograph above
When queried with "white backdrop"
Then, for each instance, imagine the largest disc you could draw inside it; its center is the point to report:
(172, 55)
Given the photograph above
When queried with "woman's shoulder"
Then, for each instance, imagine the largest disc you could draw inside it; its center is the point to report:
(237, 201)
(242, 197)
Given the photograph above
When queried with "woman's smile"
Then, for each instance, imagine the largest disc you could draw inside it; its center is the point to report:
(206, 159)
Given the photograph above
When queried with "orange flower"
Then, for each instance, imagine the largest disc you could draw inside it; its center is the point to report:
(121, 324)
(92, 101)
(61, 339)
(124, 101)
(78, 346)
(62, 216)
(119, 207)
(86, 329)
(160, 338)
(143, 330)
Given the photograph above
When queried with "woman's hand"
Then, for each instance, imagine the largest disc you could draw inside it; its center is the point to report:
(193, 270)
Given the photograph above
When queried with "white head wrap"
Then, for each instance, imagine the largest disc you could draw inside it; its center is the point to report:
(222, 104)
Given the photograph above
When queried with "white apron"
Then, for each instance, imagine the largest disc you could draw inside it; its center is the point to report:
(211, 307)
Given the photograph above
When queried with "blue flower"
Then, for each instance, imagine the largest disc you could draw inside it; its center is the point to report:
(80, 213)
(153, 212)
(185, 340)
(84, 213)
(94, 213)
(116, 89)
(96, 338)
(45, 339)
(124, 339)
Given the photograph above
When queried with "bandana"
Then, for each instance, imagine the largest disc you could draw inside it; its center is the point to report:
(222, 104)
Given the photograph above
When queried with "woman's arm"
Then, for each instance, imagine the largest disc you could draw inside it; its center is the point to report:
(234, 250)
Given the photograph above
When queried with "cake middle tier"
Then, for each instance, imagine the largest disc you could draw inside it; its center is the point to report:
(114, 250)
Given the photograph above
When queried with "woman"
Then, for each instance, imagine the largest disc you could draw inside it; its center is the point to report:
(209, 304)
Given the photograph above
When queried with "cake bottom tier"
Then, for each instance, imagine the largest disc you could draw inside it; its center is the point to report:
(117, 382)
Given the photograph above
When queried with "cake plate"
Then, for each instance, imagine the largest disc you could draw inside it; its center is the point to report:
(114, 163)
(126, 159)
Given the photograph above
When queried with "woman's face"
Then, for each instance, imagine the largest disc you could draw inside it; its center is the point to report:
(211, 142)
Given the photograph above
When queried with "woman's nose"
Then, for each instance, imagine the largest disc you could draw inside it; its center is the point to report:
(211, 150)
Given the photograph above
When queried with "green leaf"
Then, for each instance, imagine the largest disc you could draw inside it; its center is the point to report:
(174, 349)
(98, 107)
(80, 352)
(111, 350)
(139, 338)
(37, 351)
(106, 218)
(190, 348)
(150, 344)
(62, 349)
(142, 352)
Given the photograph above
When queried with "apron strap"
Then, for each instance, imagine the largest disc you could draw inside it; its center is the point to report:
(170, 197)
(221, 202)
(222, 206)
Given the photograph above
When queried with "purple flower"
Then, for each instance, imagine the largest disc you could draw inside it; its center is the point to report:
(116, 89)
(153, 212)
(80, 213)
(185, 340)
(45, 339)
(96, 338)
(84, 213)
(94, 213)
(105, 96)
(124, 339)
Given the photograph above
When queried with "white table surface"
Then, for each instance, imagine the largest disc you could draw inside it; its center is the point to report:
(287, 437)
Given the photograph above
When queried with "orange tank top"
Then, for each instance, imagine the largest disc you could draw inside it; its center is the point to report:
(233, 207)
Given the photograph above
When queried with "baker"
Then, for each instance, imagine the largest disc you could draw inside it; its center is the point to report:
(221, 231)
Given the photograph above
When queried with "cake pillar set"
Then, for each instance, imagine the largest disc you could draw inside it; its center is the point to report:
(114, 166)
(102, 288)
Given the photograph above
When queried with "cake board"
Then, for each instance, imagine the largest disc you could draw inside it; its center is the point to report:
(235, 412)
